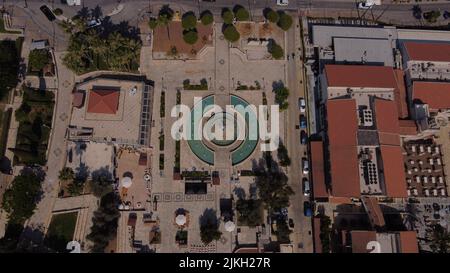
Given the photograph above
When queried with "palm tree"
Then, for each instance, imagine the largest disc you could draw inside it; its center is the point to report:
(66, 174)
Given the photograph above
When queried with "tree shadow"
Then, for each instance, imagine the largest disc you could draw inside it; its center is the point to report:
(96, 12)
(5, 165)
(103, 172)
(239, 192)
(108, 27)
(209, 216)
(277, 85)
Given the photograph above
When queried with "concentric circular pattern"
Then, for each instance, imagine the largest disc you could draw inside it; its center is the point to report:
(217, 129)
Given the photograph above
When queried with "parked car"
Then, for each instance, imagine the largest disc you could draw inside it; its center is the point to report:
(302, 105)
(48, 13)
(306, 187)
(368, 4)
(305, 165)
(93, 23)
(303, 122)
(291, 223)
(446, 14)
(303, 137)
(307, 209)
(73, 2)
(282, 2)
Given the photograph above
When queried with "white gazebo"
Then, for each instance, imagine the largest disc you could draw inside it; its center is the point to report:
(126, 182)
(180, 219)
(230, 226)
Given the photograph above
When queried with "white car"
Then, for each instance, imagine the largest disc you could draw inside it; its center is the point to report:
(365, 5)
(302, 105)
(73, 2)
(282, 2)
(305, 164)
(93, 23)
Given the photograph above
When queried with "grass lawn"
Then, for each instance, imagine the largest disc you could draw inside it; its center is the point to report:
(60, 231)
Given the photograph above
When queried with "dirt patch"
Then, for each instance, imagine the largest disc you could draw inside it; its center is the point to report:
(245, 29)
(165, 39)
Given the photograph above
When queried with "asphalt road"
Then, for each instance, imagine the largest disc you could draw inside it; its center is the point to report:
(301, 236)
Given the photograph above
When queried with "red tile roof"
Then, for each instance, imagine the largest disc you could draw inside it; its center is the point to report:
(103, 101)
(394, 172)
(400, 94)
(431, 52)
(369, 76)
(78, 99)
(360, 239)
(342, 129)
(387, 122)
(408, 242)
(435, 94)
(407, 127)
(317, 240)
(318, 170)
(373, 210)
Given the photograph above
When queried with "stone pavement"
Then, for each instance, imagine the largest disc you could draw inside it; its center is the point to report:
(56, 149)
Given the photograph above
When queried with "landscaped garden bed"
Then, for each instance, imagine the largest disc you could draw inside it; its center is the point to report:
(241, 87)
(35, 121)
(40, 63)
(187, 85)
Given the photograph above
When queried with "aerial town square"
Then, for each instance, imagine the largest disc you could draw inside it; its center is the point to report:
(189, 126)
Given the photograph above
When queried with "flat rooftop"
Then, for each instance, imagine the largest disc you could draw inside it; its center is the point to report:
(362, 50)
(323, 35)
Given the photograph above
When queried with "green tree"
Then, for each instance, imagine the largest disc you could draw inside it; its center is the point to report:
(241, 13)
(285, 21)
(432, 16)
(104, 223)
(271, 15)
(190, 37)
(439, 239)
(38, 59)
(19, 201)
(227, 16)
(250, 212)
(283, 156)
(101, 186)
(209, 231)
(67, 26)
(189, 20)
(281, 95)
(231, 34)
(276, 50)
(152, 23)
(76, 187)
(58, 11)
(273, 186)
(283, 232)
(22, 112)
(165, 15)
(207, 17)
(325, 232)
(66, 174)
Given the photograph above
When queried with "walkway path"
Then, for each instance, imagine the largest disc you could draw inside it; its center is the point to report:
(57, 148)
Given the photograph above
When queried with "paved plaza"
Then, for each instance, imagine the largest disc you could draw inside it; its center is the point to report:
(225, 68)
